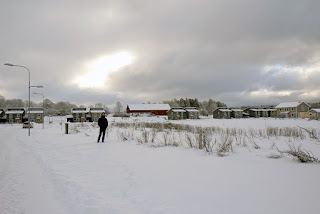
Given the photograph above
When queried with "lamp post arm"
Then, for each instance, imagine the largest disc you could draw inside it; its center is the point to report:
(21, 66)
(29, 95)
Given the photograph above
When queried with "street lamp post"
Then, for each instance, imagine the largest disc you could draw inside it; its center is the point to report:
(21, 66)
(42, 108)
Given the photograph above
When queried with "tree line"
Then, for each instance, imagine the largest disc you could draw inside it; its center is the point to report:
(205, 107)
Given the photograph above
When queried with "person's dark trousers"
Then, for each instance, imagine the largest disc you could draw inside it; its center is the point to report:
(103, 131)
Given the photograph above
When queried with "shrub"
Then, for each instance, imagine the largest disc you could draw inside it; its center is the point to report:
(302, 156)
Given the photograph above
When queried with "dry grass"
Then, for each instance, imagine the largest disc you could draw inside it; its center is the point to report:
(216, 139)
(223, 145)
(302, 155)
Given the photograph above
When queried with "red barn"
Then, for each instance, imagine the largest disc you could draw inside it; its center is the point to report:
(156, 109)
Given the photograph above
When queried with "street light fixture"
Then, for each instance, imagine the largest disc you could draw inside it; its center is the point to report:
(42, 108)
(21, 66)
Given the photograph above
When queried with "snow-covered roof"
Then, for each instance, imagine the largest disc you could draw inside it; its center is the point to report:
(178, 110)
(272, 109)
(227, 110)
(315, 109)
(192, 110)
(79, 111)
(144, 107)
(285, 112)
(15, 112)
(36, 112)
(255, 109)
(236, 110)
(96, 111)
(289, 105)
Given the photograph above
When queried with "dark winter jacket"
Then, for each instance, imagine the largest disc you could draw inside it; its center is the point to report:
(103, 122)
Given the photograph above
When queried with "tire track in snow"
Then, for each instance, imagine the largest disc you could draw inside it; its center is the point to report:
(24, 185)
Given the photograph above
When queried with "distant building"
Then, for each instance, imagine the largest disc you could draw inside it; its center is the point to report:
(15, 115)
(36, 115)
(236, 113)
(261, 112)
(154, 109)
(94, 114)
(292, 109)
(272, 112)
(84, 114)
(177, 113)
(264, 113)
(79, 114)
(222, 113)
(314, 113)
(254, 112)
(192, 112)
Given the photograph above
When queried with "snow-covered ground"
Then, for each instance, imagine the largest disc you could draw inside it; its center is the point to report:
(51, 172)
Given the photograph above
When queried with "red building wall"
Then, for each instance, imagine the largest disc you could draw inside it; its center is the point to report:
(155, 112)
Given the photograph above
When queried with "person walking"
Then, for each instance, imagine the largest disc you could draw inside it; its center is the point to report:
(103, 124)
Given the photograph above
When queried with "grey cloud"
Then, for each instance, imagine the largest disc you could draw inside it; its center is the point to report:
(206, 49)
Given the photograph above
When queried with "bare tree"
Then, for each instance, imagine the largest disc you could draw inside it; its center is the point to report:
(2, 102)
(118, 108)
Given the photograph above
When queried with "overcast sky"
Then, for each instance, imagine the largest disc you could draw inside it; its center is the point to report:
(240, 52)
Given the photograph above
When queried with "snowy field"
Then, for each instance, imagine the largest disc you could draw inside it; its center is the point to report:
(159, 170)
